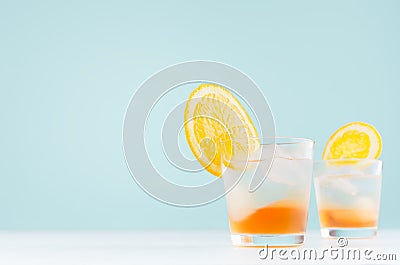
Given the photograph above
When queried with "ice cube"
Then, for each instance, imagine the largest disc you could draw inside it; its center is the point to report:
(284, 152)
(290, 172)
(339, 184)
(300, 150)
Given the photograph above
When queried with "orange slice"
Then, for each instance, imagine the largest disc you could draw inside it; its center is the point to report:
(357, 140)
(213, 115)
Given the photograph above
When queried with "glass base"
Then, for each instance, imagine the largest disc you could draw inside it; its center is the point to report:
(262, 240)
(363, 232)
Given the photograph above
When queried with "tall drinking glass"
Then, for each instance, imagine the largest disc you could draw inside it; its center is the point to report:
(276, 212)
(348, 196)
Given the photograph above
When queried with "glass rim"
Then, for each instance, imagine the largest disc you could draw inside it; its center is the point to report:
(348, 159)
(289, 140)
(348, 162)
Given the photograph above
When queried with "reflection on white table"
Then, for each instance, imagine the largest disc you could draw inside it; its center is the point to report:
(181, 247)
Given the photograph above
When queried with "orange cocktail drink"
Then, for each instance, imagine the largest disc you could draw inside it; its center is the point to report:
(276, 212)
(282, 217)
(348, 196)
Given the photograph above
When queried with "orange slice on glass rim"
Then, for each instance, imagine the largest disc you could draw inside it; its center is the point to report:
(357, 140)
(214, 115)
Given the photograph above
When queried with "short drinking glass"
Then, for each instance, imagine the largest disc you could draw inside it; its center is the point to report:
(348, 196)
(275, 213)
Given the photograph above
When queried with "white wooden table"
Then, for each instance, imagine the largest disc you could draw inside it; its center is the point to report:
(167, 247)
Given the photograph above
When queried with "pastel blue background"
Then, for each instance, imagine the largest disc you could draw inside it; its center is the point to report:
(69, 68)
